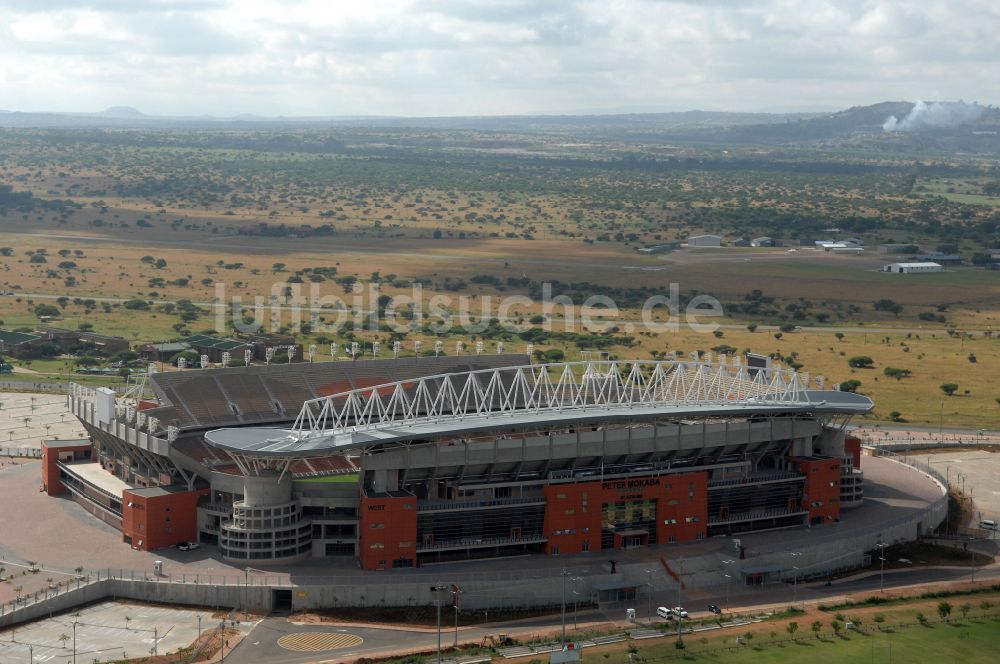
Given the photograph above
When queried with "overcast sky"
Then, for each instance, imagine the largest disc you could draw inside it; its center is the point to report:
(485, 57)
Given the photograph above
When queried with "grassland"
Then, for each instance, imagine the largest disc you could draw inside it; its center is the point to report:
(972, 637)
(974, 641)
(158, 219)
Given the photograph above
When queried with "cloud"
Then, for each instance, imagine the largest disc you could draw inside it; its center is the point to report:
(439, 57)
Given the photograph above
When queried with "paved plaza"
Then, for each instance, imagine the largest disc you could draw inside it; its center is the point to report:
(26, 419)
(975, 471)
(104, 632)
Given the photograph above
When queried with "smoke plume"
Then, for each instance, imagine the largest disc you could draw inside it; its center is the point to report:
(938, 114)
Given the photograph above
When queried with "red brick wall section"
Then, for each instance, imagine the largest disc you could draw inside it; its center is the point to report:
(50, 471)
(573, 512)
(388, 531)
(573, 517)
(821, 493)
(160, 521)
(852, 448)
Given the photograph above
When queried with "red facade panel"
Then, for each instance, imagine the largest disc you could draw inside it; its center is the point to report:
(852, 448)
(574, 513)
(821, 492)
(387, 531)
(50, 468)
(157, 522)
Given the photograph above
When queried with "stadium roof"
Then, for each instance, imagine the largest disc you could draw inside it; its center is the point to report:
(254, 441)
(260, 395)
(539, 396)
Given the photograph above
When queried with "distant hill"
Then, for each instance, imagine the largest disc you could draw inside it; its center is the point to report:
(901, 125)
(936, 119)
(122, 112)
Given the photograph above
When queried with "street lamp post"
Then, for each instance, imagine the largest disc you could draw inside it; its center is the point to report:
(649, 594)
(74, 642)
(729, 579)
(437, 588)
(680, 574)
(222, 638)
(576, 597)
(795, 578)
(454, 596)
(246, 590)
(881, 569)
(564, 573)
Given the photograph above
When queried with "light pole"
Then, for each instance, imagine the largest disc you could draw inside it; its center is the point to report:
(455, 590)
(881, 570)
(246, 589)
(649, 594)
(199, 627)
(564, 573)
(680, 576)
(222, 639)
(74, 642)
(795, 577)
(576, 596)
(729, 579)
(436, 589)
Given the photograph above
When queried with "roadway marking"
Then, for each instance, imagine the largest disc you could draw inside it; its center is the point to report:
(317, 641)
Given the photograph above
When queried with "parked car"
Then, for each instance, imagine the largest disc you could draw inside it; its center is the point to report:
(664, 613)
(188, 546)
(714, 609)
(680, 612)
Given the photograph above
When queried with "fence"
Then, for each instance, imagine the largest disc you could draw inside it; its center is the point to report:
(26, 452)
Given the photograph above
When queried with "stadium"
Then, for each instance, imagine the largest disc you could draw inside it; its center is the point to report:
(405, 462)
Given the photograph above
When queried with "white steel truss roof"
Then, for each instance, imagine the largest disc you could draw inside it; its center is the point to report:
(537, 394)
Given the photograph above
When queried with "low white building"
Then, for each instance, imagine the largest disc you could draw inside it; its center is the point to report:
(704, 241)
(911, 268)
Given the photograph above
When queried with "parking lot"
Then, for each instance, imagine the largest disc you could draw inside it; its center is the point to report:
(27, 419)
(105, 632)
(977, 471)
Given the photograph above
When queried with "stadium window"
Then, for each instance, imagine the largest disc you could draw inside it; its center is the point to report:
(555, 550)
(377, 545)
(586, 545)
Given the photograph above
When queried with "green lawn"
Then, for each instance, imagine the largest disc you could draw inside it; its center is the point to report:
(970, 642)
(328, 479)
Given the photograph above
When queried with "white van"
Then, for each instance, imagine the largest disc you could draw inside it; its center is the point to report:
(664, 613)
(989, 524)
